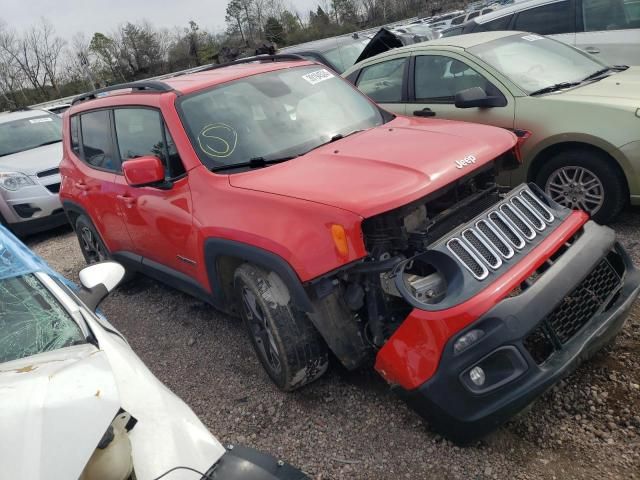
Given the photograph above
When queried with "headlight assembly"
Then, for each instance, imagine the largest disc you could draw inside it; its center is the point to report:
(13, 181)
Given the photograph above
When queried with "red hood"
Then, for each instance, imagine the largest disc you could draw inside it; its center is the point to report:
(382, 168)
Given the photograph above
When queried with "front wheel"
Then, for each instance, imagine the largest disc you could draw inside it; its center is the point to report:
(289, 347)
(92, 246)
(585, 180)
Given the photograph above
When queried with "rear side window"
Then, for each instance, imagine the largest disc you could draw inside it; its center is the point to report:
(473, 15)
(141, 132)
(439, 78)
(96, 139)
(494, 25)
(549, 19)
(383, 81)
(458, 20)
(599, 15)
(75, 135)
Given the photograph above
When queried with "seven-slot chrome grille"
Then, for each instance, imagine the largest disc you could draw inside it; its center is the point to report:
(500, 233)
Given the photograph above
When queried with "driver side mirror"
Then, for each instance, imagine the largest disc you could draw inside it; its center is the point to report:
(143, 171)
(98, 280)
(476, 97)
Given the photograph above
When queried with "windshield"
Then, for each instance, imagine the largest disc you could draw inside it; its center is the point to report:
(27, 133)
(32, 321)
(346, 55)
(533, 62)
(274, 115)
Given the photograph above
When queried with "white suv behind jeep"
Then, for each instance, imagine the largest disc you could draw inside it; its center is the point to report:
(30, 153)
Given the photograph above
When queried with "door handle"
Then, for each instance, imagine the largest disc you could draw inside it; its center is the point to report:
(425, 112)
(129, 201)
(592, 50)
(82, 186)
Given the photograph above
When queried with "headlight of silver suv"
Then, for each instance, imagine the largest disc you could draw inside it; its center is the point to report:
(13, 181)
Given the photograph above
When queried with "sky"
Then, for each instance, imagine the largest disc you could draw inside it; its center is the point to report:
(89, 16)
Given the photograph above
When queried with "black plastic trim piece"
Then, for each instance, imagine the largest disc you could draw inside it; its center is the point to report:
(217, 247)
(256, 58)
(243, 463)
(151, 86)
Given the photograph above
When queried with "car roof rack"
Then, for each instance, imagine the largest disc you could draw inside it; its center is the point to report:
(278, 57)
(151, 86)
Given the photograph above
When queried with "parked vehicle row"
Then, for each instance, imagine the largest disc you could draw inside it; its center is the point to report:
(273, 190)
(577, 118)
(607, 29)
(77, 402)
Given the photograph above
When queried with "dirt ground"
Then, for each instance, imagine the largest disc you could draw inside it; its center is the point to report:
(349, 425)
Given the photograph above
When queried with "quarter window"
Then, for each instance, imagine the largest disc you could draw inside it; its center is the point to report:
(75, 135)
(383, 81)
(439, 78)
(141, 132)
(551, 19)
(96, 139)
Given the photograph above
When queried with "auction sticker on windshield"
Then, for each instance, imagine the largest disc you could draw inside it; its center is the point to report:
(318, 76)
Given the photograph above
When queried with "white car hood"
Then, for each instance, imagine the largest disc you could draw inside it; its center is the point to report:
(33, 161)
(55, 408)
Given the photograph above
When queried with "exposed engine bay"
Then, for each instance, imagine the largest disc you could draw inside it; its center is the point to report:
(429, 255)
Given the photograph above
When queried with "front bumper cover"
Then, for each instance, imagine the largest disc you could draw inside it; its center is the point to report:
(464, 414)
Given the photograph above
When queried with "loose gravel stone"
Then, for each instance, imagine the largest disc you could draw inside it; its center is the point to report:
(349, 424)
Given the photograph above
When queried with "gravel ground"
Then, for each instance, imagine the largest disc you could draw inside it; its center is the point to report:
(349, 425)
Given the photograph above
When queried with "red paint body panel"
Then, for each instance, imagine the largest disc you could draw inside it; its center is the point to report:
(382, 168)
(143, 171)
(412, 354)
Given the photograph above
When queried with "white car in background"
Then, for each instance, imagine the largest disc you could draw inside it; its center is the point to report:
(606, 29)
(30, 154)
(76, 403)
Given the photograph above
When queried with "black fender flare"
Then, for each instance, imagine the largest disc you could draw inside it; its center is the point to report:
(69, 206)
(217, 247)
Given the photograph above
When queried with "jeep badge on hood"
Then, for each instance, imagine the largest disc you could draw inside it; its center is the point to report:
(468, 160)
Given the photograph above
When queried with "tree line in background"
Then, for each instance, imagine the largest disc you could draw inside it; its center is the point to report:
(37, 65)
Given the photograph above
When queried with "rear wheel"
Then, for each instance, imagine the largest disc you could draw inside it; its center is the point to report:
(586, 180)
(289, 347)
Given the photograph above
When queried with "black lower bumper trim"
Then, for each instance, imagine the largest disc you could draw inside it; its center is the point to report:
(39, 224)
(461, 413)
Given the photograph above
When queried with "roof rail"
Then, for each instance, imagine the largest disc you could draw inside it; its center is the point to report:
(257, 58)
(148, 86)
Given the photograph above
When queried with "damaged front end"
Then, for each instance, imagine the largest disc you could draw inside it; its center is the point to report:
(474, 300)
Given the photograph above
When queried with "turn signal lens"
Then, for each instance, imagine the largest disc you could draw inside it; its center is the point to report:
(340, 239)
(466, 340)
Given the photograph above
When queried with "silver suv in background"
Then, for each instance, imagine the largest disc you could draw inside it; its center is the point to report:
(30, 153)
(607, 29)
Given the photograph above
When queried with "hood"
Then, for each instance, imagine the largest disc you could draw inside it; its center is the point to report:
(382, 41)
(33, 161)
(385, 167)
(621, 87)
(54, 409)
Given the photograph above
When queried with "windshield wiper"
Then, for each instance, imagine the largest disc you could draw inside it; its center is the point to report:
(256, 162)
(597, 74)
(335, 138)
(555, 88)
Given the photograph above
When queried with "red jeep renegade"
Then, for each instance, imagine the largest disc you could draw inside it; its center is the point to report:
(272, 188)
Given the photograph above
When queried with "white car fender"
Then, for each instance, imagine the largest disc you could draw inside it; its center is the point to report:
(54, 409)
(168, 433)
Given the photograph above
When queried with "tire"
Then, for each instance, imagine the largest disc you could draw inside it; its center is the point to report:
(91, 244)
(289, 347)
(576, 178)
